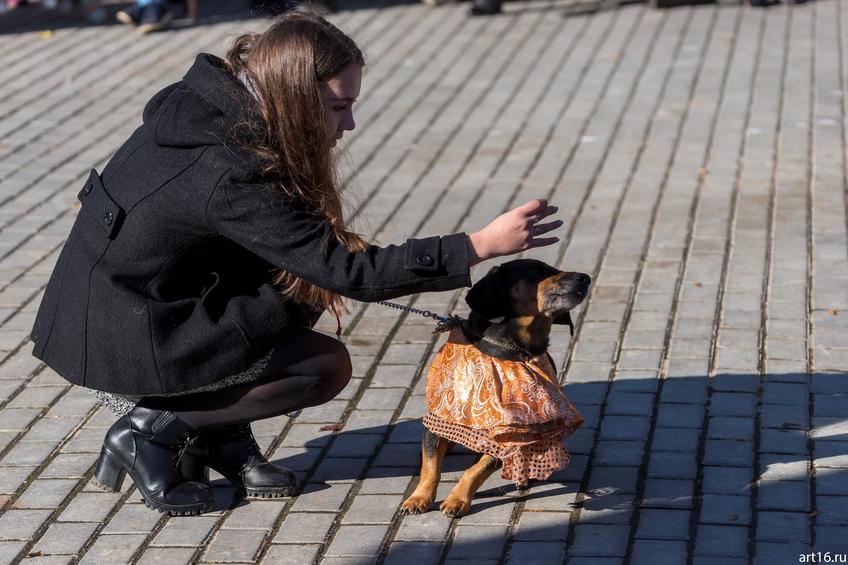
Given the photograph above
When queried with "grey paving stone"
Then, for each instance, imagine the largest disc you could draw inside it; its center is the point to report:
(675, 439)
(607, 480)
(9, 550)
(234, 545)
(490, 510)
(783, 527)
(431, 526)
(610, 453)
(191, 531)
(830, 538)
(45, 493)
(658, 552)
(478, 542)
(785, 393)
(305, 527)
(68, 466)
(770, 552)
(404, 553)
(381, 399)
(64, 538)
(356, 541)
(680, 415)
(322, 498)
(730, 427)
(787, 416)
(535, 553)
(663, 524)
(672, 465)
(628, 404)
(338, 469)
(542, 527)
(599, 540)
(89, 507)
(667, 493)
(132, 519)
(725, 509)
(113, 549)
(605, 508)
(258, 514)
(399, 455)
(372, 509)
(355, 445)
(738, 382)
(727, 480)
(728, 452)
(732, 404)
(624, 428)
(829, 383)
(21, 524)
(387, 480)
(170, 555)
(291, 554)
(688, 390)
(833, 510)
(721, 541)
(783, 441)
(784, 495)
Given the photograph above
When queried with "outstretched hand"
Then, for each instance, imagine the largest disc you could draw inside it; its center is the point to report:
(514, 231)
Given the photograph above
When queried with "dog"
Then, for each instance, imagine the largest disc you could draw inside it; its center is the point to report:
(493, 385)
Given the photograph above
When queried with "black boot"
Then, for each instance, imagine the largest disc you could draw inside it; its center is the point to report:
(485, 7)
(148, 445)
(233, 452)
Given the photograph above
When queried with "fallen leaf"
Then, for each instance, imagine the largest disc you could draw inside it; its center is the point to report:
(699, 284)
(332, 428)
(733, 517)
(813, 514)
(35, 554)
(833, 311)
(46, 34)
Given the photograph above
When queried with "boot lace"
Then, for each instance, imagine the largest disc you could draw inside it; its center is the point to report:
(186, 441)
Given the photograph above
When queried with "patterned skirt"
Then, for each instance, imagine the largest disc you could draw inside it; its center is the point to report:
(514, 411)
(120, 404)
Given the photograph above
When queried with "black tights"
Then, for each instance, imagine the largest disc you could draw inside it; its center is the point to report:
(306, 369)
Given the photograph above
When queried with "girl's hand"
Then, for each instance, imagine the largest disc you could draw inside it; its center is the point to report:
(513, 232)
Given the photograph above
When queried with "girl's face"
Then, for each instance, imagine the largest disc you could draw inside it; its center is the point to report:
(338, 95)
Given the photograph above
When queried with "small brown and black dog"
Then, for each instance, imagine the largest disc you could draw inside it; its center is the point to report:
(512, 311)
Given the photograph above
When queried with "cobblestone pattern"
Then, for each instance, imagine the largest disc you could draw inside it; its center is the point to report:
(698, 159)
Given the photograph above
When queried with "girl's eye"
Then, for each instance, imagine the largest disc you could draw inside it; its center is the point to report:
(339, 108)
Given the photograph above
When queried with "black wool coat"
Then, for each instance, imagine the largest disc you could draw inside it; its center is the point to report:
(164, 283)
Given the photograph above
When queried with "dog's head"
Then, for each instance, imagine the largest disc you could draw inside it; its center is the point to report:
(526, 296)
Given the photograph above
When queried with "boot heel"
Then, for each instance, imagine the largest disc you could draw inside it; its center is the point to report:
(109, 473)
(193, 469)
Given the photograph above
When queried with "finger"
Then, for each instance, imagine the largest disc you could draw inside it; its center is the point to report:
(533, 206)
(539, 229)
(542, 241)
(544, 213)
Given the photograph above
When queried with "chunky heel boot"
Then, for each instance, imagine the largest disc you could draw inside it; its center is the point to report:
(148, 444)
(233, 452)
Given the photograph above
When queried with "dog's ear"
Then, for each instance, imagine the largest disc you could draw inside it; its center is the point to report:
(487, 298)
(565, 319)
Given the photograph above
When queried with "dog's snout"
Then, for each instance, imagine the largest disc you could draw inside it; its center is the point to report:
(583, 278)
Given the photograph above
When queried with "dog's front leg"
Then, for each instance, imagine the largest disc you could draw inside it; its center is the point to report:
(433, 450)
(459, 500)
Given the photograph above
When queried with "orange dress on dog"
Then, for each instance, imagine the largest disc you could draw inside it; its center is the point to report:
(512, 410)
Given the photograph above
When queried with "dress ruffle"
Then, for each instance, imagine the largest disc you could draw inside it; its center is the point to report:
(512, 410)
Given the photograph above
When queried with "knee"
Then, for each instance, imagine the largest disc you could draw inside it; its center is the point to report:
(336, 370)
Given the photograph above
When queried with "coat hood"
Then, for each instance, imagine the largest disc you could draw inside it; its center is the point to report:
(204, 108)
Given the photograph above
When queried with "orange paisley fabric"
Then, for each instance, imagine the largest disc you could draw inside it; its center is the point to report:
(512, 410)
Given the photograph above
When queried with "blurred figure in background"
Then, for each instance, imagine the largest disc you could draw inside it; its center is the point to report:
(147, 15)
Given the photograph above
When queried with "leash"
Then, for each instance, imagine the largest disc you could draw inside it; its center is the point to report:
(445, 322)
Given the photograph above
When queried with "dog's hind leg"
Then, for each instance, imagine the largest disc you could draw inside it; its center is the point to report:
(433, 450)
(459, 500)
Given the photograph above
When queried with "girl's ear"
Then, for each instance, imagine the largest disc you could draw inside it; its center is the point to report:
(566, 320)
(488, 297)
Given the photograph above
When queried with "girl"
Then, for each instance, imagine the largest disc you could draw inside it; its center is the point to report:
(208, 248)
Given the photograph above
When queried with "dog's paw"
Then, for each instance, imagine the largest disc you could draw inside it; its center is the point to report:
(455, 506)
(416, 505)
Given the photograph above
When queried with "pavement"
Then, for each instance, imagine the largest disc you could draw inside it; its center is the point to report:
(697, 155)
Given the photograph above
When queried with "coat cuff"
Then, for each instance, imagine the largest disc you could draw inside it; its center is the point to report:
(436, 255)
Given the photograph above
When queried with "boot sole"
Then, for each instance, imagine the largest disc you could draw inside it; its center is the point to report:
(110, 473)
(281, 493)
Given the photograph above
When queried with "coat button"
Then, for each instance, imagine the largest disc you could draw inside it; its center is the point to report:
(424, 260)
(87, 188)
(107, 218)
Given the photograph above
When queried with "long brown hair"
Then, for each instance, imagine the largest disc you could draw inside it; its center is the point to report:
(285, 65)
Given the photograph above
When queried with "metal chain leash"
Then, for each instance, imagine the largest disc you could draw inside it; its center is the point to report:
(445, 322)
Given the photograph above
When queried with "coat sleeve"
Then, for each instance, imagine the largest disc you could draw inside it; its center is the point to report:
(284, 233)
